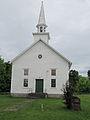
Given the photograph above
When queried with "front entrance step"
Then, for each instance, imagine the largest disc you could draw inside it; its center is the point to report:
(37, 95)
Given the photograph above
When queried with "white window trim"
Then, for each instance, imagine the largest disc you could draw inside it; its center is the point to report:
(56, 84)
(23, 84)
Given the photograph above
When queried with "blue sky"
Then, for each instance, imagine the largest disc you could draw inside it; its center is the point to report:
(68, 23)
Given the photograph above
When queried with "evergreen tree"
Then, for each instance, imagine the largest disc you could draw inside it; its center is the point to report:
(69, 88)
(89, 74)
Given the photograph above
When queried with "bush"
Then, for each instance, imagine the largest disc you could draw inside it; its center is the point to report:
(72, 102)
(68, 94)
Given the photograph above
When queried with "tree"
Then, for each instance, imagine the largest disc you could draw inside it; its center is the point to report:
(72, 101)
(73, 79)
(89, 74)
(83, 85)
(2, 74)
(5, 76)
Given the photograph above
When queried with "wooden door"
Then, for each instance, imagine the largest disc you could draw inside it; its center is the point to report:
(39, 85)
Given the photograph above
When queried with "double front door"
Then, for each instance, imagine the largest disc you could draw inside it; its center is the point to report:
(39, 85)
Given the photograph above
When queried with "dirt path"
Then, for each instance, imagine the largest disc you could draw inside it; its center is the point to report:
(17, 106)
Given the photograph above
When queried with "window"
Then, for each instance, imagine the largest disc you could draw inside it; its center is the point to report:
(41, 29)
(44, 29)
(53, 72)
(39, 56)
(25, 71)
(53, 82)
(25, 82)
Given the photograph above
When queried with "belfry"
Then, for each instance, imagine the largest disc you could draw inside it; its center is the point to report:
(41, 27)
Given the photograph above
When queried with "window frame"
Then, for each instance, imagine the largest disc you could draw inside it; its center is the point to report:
(53, 70)
(41, 29)
(26, 72)
(53, 85)
(39, 56)
(25, 83)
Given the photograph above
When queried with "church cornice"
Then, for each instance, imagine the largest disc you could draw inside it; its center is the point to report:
(43, 33)
(41, 25)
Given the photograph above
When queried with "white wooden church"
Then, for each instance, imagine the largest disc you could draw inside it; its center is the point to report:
(39, 68)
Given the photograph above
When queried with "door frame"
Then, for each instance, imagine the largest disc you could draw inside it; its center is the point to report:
(42, 84)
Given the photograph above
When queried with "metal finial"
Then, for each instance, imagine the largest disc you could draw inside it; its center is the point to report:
(42, 2)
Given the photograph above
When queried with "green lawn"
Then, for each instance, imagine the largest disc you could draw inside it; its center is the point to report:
(54, 109)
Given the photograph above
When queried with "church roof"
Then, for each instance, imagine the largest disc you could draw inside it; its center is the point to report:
(47, 46)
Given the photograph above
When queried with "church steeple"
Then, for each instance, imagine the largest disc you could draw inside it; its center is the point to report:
(41, 27)
(42, 16)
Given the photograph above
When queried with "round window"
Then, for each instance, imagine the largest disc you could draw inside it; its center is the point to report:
(39, 56)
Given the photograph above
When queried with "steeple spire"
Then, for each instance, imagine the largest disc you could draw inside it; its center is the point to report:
(41, 26)
(42, 15)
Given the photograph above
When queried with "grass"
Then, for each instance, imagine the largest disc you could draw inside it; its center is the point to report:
(54, 109)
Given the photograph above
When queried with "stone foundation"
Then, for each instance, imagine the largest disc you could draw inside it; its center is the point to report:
(55, 96)
(26, 95)
(19, 95)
